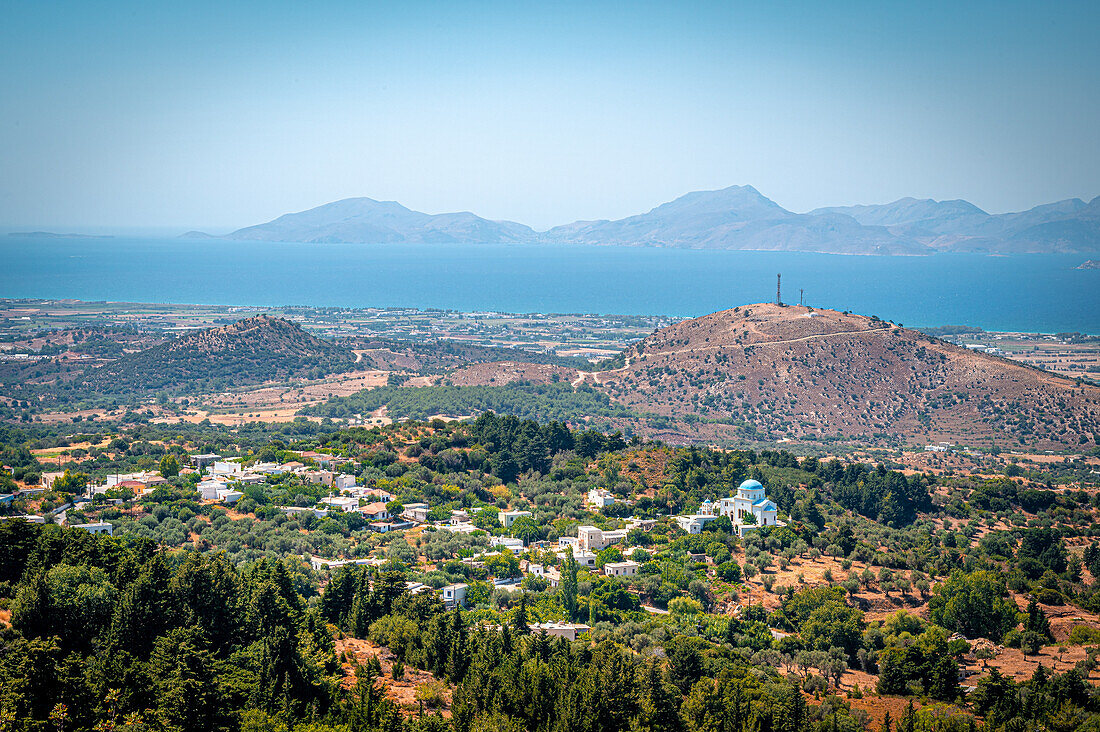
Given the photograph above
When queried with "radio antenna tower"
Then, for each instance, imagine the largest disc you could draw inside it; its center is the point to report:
(800, 297)
(778, 299)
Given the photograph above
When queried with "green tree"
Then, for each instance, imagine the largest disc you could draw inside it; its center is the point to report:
(70, 482)
(568, 585)
(658, 699)
(525, 528)
(169, 466)
(181, 670)
(973, 604)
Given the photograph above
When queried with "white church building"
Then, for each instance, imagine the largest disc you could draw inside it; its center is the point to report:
(750, 501)
(747, 509)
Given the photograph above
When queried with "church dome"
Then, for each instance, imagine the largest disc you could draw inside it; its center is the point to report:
(750, 485)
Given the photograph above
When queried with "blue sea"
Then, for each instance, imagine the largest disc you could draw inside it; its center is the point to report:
(1042, 293)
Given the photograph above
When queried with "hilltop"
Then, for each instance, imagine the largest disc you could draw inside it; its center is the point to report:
(812, 374)
(767, 373)
(248, 351)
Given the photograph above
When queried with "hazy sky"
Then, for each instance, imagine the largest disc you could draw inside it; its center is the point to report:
(218, 115)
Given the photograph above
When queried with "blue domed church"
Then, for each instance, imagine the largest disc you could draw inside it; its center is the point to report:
(748, 509)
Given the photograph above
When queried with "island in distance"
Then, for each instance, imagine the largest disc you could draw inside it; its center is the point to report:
(734, 218)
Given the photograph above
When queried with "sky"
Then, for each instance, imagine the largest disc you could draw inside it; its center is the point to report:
(142, 116)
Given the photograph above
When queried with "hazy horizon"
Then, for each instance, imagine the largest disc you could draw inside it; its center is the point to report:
(128, 117)
(167, 230)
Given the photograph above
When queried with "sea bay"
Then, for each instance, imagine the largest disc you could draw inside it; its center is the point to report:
(1043, 293)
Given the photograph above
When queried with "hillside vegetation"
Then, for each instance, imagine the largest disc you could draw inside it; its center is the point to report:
(887, 601)
(248, 351)
(543, 402)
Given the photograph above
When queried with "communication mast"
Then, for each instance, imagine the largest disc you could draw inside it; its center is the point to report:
(778, 298)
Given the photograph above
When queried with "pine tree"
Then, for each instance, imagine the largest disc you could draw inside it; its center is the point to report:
(909, 719)
(1037, 621)
(458, 657)
(519, 621)
(658, 700)
(568, 587)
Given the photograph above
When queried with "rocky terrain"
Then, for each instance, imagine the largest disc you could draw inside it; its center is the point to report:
(795, 372)
(248, 351)
(785, 372)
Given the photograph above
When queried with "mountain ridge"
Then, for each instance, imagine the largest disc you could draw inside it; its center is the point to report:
(732, 218)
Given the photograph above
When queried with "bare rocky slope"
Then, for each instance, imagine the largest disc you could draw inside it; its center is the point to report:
(786, 371)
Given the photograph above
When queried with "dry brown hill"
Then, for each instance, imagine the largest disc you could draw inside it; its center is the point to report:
(793, 372)
(248, 351)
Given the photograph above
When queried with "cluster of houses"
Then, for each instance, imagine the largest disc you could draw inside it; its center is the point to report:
(217, 484)
(748, 509)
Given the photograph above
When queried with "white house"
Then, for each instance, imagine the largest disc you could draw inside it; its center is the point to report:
(507, 518)
(342, 503)
(569, 631)
(208, 489)
(342, 482)
(318, 563)
(621, 569)
(461, 527)
(226, 467)
(600, 498)
(412, 511)
(506, 542)
(100, 528)
(30, 518)
(694, 523)
(592, 539)
(454, 595)
(228, 495)
(375, 512)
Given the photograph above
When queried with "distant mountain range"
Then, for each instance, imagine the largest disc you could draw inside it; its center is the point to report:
(364, 220)
(738, 217)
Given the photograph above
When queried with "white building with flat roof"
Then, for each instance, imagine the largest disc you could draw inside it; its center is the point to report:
(506, 542)
(208, 489)
(507, 518)
(600, 498)
(568, 631)
(694, 523)
(347, 504)
(592, 539)
(454, 595)
(621, 569)
(226, 467)
(97, 528)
